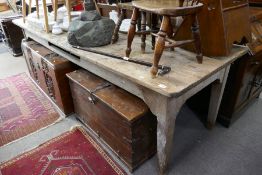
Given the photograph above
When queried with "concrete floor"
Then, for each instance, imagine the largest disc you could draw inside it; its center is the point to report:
(197, 151)
(10, 65)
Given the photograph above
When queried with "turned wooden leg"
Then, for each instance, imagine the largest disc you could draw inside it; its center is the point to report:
(196, 36)
(154, 22)
(118, 24)
(170, 33)
(37, 8)
(97, 8)
(131, 31)
(139, 22)
(55, 9)
(181, 2)
(143, 32)
(160, 45)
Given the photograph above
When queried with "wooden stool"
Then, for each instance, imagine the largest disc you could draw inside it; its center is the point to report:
(123, 7)
(68, 4)
(29, 8)
(37, 11)
(141, 23)
(167, 9)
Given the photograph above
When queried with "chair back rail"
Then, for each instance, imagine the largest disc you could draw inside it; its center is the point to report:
(186, 3)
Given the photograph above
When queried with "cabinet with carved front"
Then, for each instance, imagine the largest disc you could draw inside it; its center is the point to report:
(48, 70)
(244, 84)
(244, 81)
(222, 23)
(245, 77)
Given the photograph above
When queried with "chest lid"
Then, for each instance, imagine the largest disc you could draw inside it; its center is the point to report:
(54, 60)
(125, 104)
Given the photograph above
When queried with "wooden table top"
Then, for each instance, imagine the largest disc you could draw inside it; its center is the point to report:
(185, 73)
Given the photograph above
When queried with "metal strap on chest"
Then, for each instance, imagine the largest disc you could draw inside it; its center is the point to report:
(91, 98)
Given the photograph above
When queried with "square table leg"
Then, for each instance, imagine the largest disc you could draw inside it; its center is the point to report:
(167, 108)
(68, 6)
(37, 8)
(24, 10)
(30, 6)
(55, 9)
(45, 17)
(217, 92)
(166, 116)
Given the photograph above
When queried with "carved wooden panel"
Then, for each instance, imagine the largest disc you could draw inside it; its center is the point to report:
(49, 71)
(32, 65)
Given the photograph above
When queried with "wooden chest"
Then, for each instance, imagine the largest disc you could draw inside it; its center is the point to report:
(222, 23)
(49, 71)
(13, 34)
(119, 118)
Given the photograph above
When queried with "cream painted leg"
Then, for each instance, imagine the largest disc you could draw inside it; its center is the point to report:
(46, 17)
(55, 9)
(37, 8)
(166, 110)
(24, 10)
(68, 6)
(30, 6)
(216, 97)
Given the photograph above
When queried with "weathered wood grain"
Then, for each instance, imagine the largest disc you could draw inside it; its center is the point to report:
(185, 73)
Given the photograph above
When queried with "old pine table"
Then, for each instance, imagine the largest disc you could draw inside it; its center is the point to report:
(164, 95)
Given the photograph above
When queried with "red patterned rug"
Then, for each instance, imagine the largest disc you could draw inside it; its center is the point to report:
(72, 153)
(23, 108)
